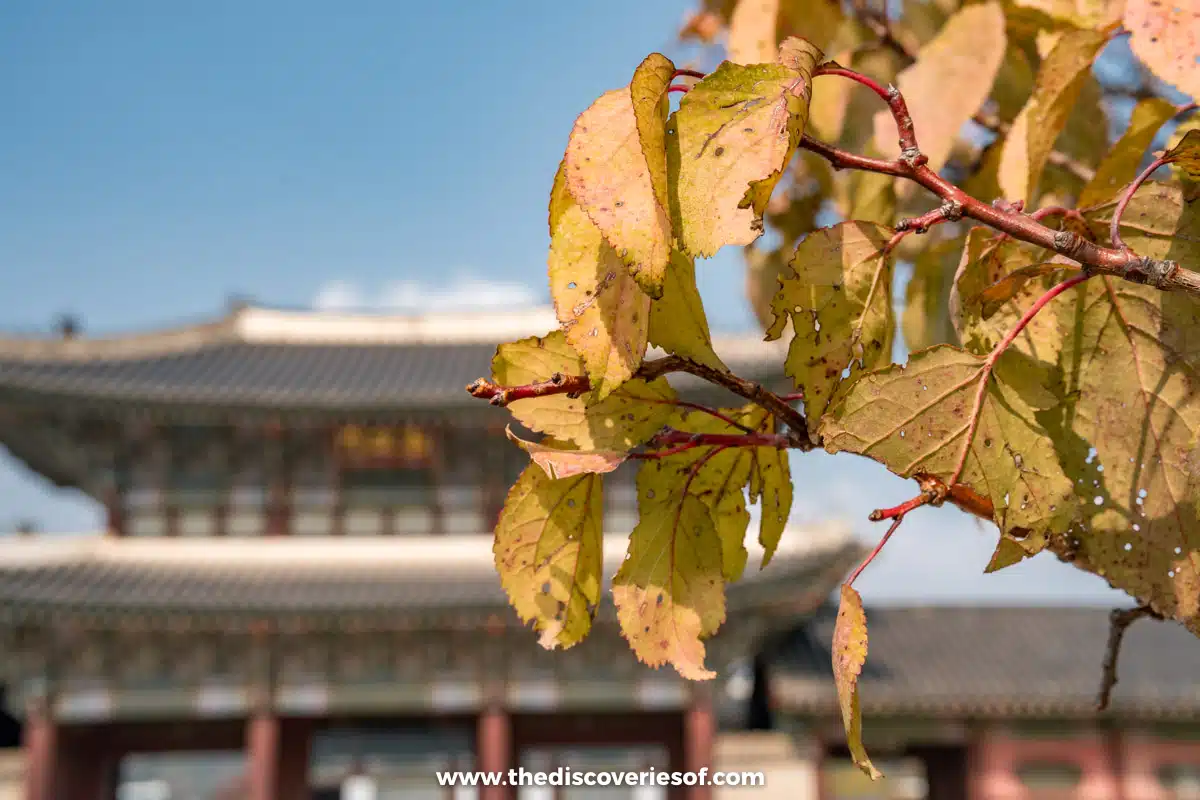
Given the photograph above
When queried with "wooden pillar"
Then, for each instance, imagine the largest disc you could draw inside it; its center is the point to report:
(41, 752)
(262, 756)
(293, 759)
(699, 739)
(494, 745)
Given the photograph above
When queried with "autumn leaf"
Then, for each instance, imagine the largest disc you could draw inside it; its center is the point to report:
(946, 414)
(770, 487)
(849, 655)
(838, 298)
(752, 29)
(669, 592)
(1081, 13)
(735, 132)
(610, 178)
(1158, 223)
(1131, 363)
(950, 80)
(567, 462)
(630, 415)
(648, 90)
(548, 553)
(1031, 138)
(1186, 154)
(1166, 37)
(1008, 552)
(678, 323)
(925, 320)
(1005, 289)
(1121, 164)
(605, 314)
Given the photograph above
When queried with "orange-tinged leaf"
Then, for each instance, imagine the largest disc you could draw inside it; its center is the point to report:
(838, 298)
(548, 553)
(950, 80)
(669, 591)
(752, 30)
(610, 179)
(1166, 37)
(1031, 138)
(1132, 368)
(945, 409)
(992, 298)
(604, 313)
(630, 415)
(1121, 164)
(678, 323)
(849, 655)
(565, 462)
(735, 132)
(1186, 154)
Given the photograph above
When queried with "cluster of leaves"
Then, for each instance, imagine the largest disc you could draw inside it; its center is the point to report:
(1052, 397)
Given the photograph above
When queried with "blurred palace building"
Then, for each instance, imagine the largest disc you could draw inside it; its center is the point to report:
(295, 599)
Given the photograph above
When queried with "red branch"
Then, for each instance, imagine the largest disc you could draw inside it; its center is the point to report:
(910, 154)
(676, 88)
(687, 73)
(1114, 231)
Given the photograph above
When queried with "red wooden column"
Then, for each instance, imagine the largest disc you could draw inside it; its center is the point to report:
(262, 756)
(494, 745)
(699, 739)
(41, 752)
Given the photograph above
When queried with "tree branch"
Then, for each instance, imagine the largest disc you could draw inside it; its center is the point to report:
(576, 385)
(1118, 622)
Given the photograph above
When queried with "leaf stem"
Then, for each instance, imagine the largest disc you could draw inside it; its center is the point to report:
(1114, 230)
(1118, 622)
(688, 73)
(879, 547)
(712, 412)
(900, 510)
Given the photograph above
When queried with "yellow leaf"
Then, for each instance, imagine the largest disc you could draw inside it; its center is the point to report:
(950, 80)
(1031, 138)
(736, 130)
(849, 655)
(678, 323)
(1008, 552)
(605, 314)
(925, 320)
(651, 107)
(770, 487)
(1186, 154)
(1130, 360)
(548, 553)
(1166, 37)
(627, 417)
(560, 462)
(752, 30)
(1082, 13)
(838, 297)
(610, 179)
(1120, 166)
(669, 592)
(1002, 291)
(944, 409)
(1159, 222)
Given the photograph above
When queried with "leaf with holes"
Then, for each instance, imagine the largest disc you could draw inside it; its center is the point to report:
(609, 173)
(735, 132)
(849, 655)
(1121, 164)
(838, 298)
(669, 591)
(948, 415)
(605, 314)
(678, 323)
(770, 484)
(567, 462)
(630, 415)
(548, 553)
(1186, 155)
(1131, 362)
(1031, 138)
(1166, 37)
(949, 81)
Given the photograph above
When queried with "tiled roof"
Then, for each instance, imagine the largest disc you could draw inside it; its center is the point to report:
(955, 661)
(380, 581)
(263, 359)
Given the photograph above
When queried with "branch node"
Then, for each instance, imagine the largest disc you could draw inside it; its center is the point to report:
(1150, 272)
(912, 157)
(1068, 243)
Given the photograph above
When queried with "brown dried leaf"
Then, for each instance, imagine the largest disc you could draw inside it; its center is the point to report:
(950, 80)
(849, 655)
(563, 462)
(992, 298)
(1166, 37)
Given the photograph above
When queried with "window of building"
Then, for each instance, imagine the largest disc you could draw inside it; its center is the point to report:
(198, 474)
(201, 775)
(389, 764)
(601, 759)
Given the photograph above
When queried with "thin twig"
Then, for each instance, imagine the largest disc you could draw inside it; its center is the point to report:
(712, 412)
(1114, 230)
(1118, 622)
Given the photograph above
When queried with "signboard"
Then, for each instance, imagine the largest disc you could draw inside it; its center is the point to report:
(384, 446)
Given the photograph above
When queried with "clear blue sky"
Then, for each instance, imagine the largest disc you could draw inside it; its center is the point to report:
(159, 157)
